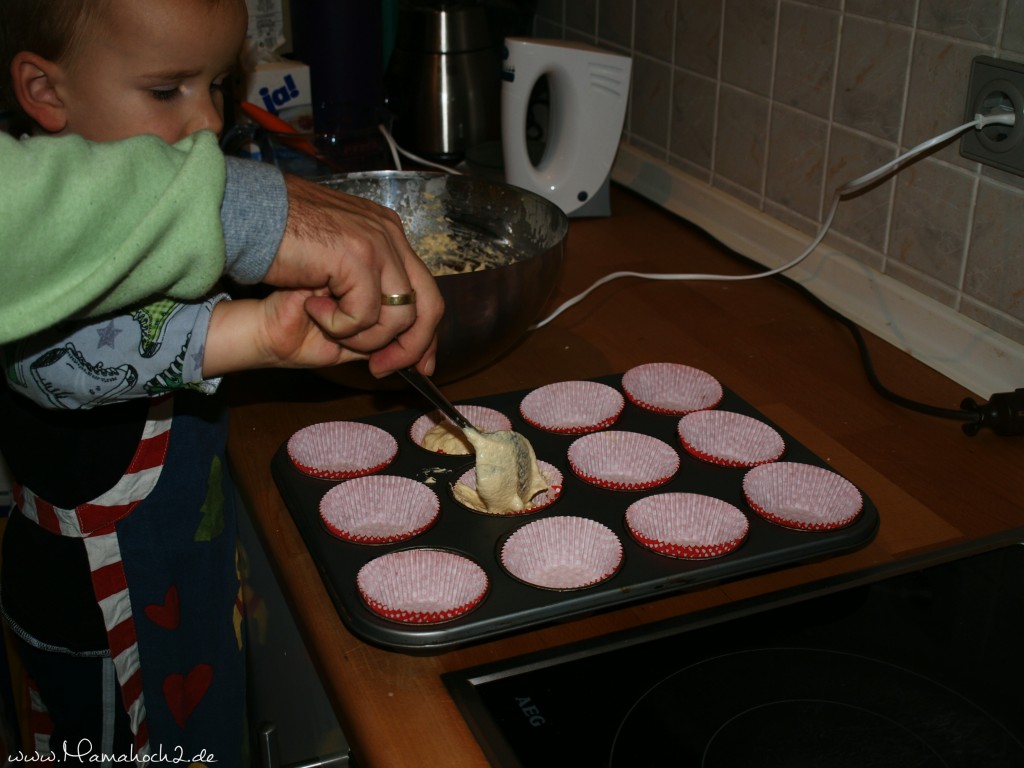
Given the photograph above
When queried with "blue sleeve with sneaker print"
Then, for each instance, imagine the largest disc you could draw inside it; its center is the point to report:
(148, 351)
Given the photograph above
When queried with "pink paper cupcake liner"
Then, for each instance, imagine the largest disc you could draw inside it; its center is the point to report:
(623, 461)
(562, 553)
(730, 439)
(422, 586)
(802, 496)
(539, 502)
(671, 388)
(379, 509)
(338, 450)
(687, 525)
(483, 418)
(572, 407)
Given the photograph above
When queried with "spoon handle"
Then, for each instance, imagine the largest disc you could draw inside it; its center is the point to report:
(429, 390)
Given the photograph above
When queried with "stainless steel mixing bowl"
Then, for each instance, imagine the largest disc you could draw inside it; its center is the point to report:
(511, 242)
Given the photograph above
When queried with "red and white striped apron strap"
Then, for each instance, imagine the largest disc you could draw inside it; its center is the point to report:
(111, 587)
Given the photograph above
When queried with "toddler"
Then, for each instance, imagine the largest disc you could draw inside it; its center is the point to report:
(118, 574)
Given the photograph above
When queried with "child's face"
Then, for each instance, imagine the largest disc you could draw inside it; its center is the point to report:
(153, 67)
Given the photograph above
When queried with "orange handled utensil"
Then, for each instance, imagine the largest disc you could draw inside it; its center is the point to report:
(287, 134)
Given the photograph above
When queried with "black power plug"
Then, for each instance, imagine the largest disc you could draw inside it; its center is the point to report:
(1003, 414)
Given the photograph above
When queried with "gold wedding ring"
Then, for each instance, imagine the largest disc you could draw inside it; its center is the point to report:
(398, 299)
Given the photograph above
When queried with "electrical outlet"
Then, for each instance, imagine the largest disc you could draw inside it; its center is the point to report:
(995, 86)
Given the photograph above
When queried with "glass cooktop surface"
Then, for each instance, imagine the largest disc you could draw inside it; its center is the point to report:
(915, 670)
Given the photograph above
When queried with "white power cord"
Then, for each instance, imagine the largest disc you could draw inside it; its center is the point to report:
(979, 122)
(397, 153)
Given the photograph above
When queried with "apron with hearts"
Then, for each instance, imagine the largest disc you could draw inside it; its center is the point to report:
(161, 546)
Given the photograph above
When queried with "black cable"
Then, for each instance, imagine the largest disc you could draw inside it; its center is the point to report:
(958, 414)
(1003, 413)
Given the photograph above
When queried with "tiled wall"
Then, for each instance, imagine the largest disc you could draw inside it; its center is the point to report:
(778, 102)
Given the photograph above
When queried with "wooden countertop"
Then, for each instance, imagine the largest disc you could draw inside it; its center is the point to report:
(933, 486)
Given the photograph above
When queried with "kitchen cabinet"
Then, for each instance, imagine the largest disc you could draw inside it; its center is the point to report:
(933, 486)
(291, 718)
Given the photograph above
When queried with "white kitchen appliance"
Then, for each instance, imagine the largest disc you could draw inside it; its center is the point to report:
(588, 88)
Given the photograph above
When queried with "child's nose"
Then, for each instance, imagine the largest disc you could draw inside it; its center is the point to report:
(207, 117)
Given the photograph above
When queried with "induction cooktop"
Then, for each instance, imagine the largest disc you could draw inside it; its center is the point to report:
(919, 667)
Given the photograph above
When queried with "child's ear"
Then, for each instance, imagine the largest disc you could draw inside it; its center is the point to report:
(35, 86)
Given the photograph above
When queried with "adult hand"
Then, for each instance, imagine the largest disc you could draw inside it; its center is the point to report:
(358, 251)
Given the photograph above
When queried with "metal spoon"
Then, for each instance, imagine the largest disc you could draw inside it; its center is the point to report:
(429, 390)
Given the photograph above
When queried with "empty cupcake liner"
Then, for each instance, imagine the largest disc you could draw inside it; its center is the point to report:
(623, 461)
(562, 553)
(483, 418)
(687, 525)
(671, 388)
(572, 407)
(421, 586)
(537, 503)
(379, 509)
(730, 439)
(338, 450)
(802, 496)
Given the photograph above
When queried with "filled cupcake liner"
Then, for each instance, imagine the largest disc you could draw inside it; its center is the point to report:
(562, 553)
(572, 407)
(483, 418)
(422, 586)
(338, 450)
(729, 439)
(379, 509)
(689, 526)
(623, 461)
(541, 501)
(671, 388)
(802, 496)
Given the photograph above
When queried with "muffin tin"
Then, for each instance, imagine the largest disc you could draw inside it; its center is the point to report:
(510, 603)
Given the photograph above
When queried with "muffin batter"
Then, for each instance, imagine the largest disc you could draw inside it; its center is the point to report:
(447, 438)
(507, 475)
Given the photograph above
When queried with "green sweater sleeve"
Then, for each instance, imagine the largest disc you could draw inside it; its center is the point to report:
(88, 228)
